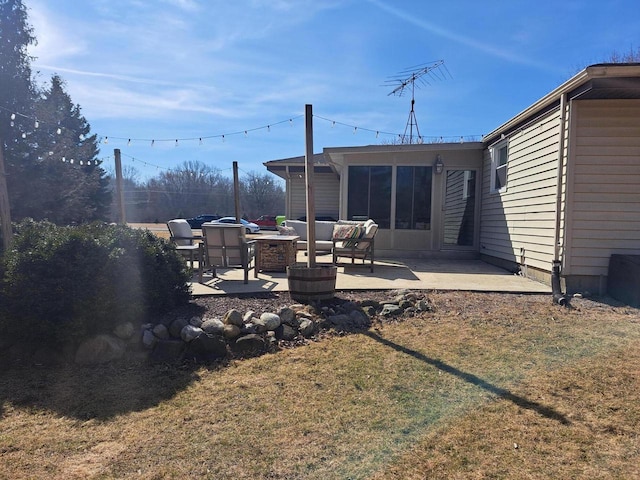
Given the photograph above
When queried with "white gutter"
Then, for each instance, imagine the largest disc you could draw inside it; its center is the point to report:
(561, 148)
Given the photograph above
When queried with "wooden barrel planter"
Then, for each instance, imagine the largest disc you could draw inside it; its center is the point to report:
(308, 284)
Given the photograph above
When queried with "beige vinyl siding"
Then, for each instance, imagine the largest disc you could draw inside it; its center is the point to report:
(604, 184)
(327, 195)
(455, 205)
(518, 224)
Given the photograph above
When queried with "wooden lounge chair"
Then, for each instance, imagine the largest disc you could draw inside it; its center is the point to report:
(225, 246)
(361, 247)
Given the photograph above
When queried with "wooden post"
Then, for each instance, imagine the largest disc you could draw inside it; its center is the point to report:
(236, 191)
(5, 209)
(119, 188)
(311, 206)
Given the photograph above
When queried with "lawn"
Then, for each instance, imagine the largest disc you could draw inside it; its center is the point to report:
(486, 386)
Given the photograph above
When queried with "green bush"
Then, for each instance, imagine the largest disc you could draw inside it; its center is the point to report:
(64, 283)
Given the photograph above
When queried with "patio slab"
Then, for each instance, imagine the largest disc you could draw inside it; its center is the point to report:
(415, 274)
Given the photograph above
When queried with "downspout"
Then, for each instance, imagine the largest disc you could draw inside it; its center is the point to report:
(556, 288)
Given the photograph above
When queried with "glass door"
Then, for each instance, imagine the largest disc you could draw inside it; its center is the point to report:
(459, 209)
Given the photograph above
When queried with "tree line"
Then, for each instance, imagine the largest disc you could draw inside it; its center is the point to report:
(194, 188)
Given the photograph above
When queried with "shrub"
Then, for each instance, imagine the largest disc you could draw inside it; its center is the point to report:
(64, 283)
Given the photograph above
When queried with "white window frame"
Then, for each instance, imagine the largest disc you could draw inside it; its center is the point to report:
(495, 158)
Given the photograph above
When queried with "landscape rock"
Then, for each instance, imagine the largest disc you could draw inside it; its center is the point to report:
(195, 321)
(168, 351)
(124, 331)
(233, 317)
(161, 332)
(189, 333)
(285, 332)
(287, 315)
(208, 346)
(390, 310)
(175, 329)
(149, 339)
(213, 326)
(231, 331)
(100, 349)
(271, 321)
(307, 327)
(251, 344)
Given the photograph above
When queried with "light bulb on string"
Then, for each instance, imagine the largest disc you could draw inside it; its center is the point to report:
(71, 161)
(81, 137)
(153, 142)
(106, 140)
(355, 129)
(377, 133)
(200, 141)
(245, 133)
(176, 142)
(80, 162)
(36, 124)
(24, 135)
(12, 123)
(128, 142)
(222, 138)
(64, 159)
(59, 131)
(291, 122)
(268, 128)
(13, 116)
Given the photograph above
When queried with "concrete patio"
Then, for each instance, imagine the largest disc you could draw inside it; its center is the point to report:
(389, 274)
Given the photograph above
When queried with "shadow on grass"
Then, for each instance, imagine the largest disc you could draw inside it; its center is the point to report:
(474, 380)
(100, 392)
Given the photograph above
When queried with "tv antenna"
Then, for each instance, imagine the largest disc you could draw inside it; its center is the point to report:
(407, 79)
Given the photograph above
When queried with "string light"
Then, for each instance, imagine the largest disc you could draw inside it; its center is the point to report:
(59, 131)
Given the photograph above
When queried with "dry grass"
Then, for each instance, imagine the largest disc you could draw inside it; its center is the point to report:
(447, 395)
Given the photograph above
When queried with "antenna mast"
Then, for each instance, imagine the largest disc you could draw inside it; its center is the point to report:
(407, 79)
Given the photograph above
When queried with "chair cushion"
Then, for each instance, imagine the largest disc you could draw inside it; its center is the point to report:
(370, 229)
(347, 231)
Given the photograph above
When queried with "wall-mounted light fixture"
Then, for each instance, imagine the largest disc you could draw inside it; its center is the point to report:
(439, 165)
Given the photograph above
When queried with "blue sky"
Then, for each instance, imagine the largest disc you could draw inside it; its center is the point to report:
(188, 69)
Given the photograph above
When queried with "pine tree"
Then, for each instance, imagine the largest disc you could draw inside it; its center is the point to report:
(64, 168)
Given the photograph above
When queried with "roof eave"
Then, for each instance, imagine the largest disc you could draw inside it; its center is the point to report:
(591, 72)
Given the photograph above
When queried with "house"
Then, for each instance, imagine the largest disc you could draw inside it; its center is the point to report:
(559, 182)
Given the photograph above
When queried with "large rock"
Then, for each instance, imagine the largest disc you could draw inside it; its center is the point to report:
(288, 316)
(390, 310)
(307, 327)
(231, 331)
(161, 332)
(124, 331)
(149, 340)
(175, 329)
(100, 349)
(233, 317)
(189, 333)
(168, 351)
(249, 345)
(271, 321)
(213, 326)
(208, 346)
(285, 332)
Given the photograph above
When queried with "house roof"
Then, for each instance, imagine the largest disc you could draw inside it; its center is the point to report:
(286, 167)
(599, 81)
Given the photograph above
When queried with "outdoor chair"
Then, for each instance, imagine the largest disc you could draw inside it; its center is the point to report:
(355, 241)
(184, 240)
(225, 246)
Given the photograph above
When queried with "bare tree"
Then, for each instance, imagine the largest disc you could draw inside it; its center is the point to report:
(261, 194)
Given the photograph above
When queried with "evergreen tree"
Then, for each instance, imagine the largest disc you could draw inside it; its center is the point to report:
(65, 170)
